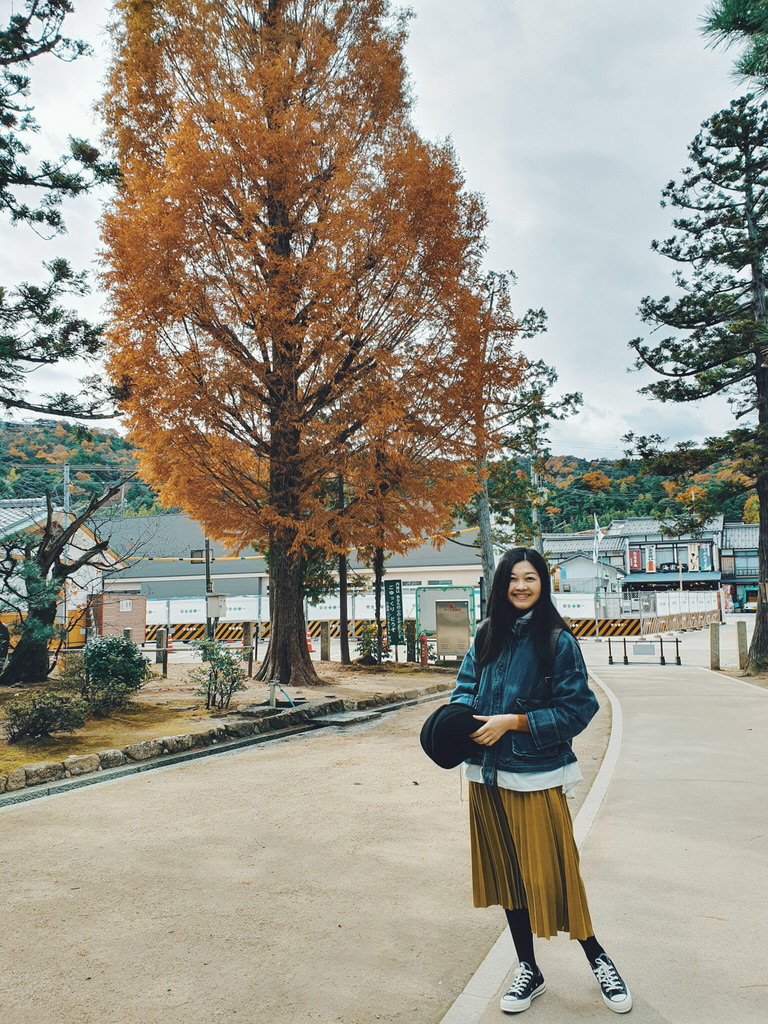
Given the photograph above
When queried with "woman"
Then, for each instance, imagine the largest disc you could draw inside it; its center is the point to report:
(527, 681)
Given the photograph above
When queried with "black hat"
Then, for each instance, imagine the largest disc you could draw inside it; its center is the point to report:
(445, 735)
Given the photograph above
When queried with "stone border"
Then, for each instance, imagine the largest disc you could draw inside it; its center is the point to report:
(250, 724)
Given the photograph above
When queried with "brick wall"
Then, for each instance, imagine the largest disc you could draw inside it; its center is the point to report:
(115, 612)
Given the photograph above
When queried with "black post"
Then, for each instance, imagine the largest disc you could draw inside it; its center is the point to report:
(677, 651)
(662, 660)
(482, 598)
(626, 659)
(610, 654)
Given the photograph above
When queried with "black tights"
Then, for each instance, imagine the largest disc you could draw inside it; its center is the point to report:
(522, 936)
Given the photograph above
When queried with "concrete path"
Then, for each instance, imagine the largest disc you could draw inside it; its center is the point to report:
(675, 859)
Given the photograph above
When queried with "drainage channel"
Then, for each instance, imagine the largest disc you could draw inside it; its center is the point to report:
(343, 719)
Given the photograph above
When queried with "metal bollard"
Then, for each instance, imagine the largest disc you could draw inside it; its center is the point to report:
(662, 660)
(610, 653)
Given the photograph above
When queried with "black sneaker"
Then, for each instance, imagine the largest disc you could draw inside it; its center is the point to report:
(615, 992)
(527, 983)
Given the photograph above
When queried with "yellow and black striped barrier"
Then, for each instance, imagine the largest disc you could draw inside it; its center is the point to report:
(607, 627)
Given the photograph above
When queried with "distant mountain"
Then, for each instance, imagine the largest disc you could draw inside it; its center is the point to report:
(33, 456)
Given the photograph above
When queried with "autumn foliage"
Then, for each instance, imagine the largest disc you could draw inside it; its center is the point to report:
(281, 263)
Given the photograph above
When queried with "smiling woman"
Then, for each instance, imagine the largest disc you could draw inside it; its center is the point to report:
(527, 682)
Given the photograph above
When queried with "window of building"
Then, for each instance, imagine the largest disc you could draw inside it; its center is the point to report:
(746, 562)
(665, 556)
(439, 583)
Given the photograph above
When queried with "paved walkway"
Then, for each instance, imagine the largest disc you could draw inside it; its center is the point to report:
(674, 858)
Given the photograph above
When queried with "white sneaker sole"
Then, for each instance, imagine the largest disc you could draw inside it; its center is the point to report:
(518, 1005)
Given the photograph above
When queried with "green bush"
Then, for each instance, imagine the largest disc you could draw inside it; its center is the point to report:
(42, 713)
(115, 670)
(220, 675)
(366, 645)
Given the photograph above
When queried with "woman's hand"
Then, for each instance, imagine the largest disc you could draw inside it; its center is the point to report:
(494, 727)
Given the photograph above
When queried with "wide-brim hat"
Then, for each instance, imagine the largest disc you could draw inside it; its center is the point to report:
(445, 735)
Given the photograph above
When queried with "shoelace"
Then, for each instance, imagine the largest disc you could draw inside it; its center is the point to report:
(523, 976)
(608, 977)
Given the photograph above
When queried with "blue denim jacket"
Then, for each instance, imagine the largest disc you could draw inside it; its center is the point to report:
(513, 684)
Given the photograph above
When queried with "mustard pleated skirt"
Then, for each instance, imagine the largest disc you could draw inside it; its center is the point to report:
(524, 855)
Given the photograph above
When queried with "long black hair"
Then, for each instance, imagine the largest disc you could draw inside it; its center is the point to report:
(494, 631)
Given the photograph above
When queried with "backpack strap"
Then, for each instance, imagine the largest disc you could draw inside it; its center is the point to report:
(554, 636)
(478, 668)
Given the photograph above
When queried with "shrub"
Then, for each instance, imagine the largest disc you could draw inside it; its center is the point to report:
(42, 713)
(72, 674)
(220, 675)
(115, 670)
(366, 645)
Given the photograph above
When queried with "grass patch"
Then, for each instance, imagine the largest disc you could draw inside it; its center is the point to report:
(133, 724)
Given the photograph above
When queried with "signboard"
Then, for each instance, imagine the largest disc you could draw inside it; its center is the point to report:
(635, 560)
(393, 604)
(426, 598)
(650, 560)
(705, 558)
(453, 632)
(693, 557)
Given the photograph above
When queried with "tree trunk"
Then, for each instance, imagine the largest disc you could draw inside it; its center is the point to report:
(343, 589)
(378, 577)
(29, 661)
(757, 660)
(343, 612)
(484, 524)
(287, 659)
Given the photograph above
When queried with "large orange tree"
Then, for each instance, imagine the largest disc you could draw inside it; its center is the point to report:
(283, 242)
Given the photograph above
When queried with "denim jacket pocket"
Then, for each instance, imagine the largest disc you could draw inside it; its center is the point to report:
(522, 743)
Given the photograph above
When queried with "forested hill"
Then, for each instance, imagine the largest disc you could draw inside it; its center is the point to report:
(576, 489)
(33, 456)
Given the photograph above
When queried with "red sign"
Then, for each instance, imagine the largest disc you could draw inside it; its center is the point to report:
(635, 560)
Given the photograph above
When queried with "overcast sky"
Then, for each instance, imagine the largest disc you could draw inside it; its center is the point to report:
(569, 118)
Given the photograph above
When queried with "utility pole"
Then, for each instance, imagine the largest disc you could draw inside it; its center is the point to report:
(535, 493)
(208, 589)
(66, 488)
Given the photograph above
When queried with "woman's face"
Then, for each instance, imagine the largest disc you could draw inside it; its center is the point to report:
(524, 587)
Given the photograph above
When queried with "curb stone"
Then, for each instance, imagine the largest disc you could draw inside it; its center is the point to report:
(249, 725)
